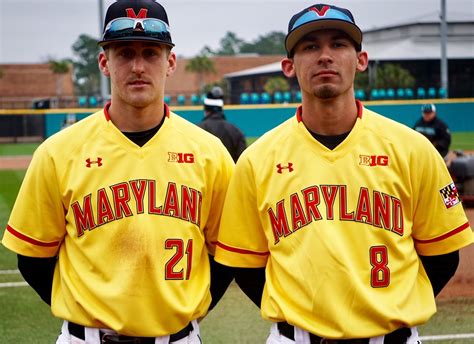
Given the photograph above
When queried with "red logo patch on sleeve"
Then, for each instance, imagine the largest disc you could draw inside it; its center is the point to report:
(450, 195)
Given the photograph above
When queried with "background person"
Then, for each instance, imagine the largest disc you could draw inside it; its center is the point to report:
(353, 216)
(214, 121)
(118, 213)
(434, 129)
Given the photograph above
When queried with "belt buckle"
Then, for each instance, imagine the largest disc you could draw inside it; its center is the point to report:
(113, 338)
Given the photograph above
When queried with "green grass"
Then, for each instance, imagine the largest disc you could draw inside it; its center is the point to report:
(10, 182)
(26, 319)
(463, 140)
(460, 140)
(17, 148)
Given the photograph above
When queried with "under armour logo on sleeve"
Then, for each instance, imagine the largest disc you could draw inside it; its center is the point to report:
(89, 162)
(281, 167)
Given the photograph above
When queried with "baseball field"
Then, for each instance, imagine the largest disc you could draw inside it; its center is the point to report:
(24, 318)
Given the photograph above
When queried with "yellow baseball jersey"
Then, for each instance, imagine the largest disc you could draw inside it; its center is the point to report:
(132, 226)
(339, 231)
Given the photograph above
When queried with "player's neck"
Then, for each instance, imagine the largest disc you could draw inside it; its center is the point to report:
(128, 118)
(329, 116)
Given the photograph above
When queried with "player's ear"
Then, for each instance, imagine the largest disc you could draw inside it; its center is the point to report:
(288, 67)
(171, 63)
(103, 63)
(362, 61)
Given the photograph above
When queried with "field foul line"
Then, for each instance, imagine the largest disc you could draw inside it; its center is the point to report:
(447, 336)
(13, 284)
(9, 272)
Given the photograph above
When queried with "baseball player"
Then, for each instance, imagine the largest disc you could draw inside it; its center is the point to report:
(353, 216)
(434, 129)
(117, 213)
(216, 123)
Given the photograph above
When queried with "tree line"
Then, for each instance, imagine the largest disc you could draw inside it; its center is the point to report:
(87, 78)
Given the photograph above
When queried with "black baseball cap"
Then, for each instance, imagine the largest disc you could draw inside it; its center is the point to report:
(214, 100)
(136, 20)
(318, 17)
(427, 108)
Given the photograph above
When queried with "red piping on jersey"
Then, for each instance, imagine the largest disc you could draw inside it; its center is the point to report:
(444, 236)
(107, 115)
(241, 251)
(30, 240)
(106, 111)
(299, 111)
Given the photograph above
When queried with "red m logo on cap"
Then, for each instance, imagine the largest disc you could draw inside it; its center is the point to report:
(141, 14)
(320, 12)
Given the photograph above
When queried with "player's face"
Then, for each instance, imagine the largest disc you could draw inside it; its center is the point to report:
(325, 63)
(428, 116)
(137, 72)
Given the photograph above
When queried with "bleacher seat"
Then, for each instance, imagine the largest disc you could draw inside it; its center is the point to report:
(420, 93)
(374, 94)
(401, 93)
(82, 101)
(382, 93)
(409, 93)
(194, 99)
(277, 97)
(265, 98)
(181, 99)
(359, 94)
(244, 98)
(167, 99)
(442, 93)
(431, 92)
(254, 98)
(286, 97)
(390, 93)
(92, 101)
(298, 97)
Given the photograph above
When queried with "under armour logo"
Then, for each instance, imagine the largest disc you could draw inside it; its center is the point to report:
(89, 162)
(289, 167)
(142, 14)
(320, 12)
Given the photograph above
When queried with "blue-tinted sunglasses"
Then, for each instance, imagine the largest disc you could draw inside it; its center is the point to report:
(148, 27)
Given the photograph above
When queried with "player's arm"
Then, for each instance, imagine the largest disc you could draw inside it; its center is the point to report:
(38, 273)
(221, 277)
(443, 140)
(251, 281)
(440, 269)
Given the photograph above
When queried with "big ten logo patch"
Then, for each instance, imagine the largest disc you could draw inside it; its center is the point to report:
(182, 158)
(373, 160)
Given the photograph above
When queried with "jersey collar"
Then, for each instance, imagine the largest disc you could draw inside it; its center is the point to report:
(299, 111)
(107, 115)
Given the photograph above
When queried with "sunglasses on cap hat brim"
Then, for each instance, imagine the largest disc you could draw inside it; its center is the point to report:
(137, 29)
(329, 17)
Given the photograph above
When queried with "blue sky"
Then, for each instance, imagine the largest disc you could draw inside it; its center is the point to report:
(34, 31)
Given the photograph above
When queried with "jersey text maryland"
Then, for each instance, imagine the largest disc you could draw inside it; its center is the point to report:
(183, 203)
(317, 202)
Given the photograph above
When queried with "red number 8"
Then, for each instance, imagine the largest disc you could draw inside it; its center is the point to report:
(380, 273)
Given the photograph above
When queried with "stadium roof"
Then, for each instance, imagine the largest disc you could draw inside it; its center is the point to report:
(418, 40)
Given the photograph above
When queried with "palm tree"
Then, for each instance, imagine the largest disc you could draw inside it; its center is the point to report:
(60, 69)
(276, 84)
(201, 65)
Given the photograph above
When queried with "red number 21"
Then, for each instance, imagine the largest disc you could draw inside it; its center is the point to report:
(380, 273)
(178, 245)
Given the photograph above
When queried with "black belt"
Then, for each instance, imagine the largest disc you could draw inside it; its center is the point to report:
(79, 332)
(399, 336)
